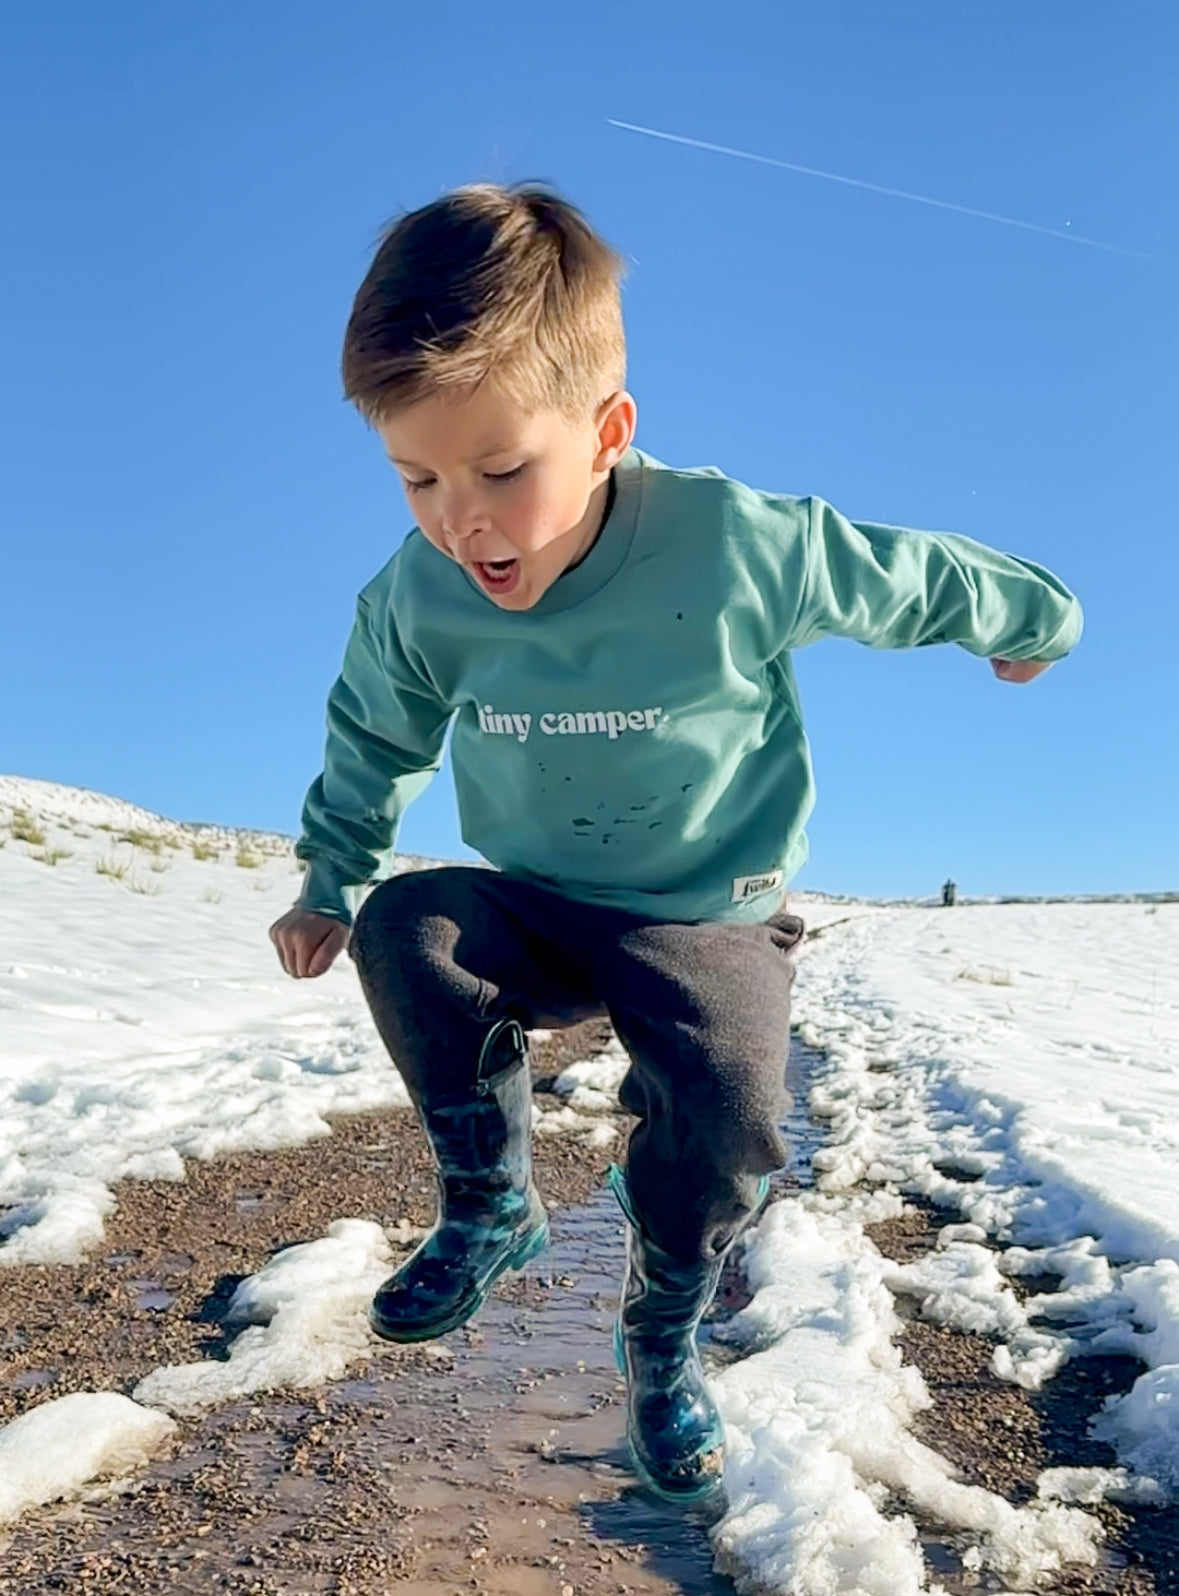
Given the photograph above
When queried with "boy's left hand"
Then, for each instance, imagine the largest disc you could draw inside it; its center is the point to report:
(1019, 670)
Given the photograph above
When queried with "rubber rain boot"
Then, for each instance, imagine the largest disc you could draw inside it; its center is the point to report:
(675, 1432)
(490, 1218)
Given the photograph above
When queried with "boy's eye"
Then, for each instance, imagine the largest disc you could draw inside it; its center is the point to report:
(488, 476)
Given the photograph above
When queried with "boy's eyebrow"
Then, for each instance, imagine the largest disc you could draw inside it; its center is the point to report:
(485, 455)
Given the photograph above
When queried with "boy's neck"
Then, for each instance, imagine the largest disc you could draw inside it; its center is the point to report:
(608, 491)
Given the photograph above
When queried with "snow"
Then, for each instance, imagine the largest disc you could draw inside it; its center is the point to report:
(307, 1315)
(1017, 1064)
(146, 1020)
(1044, 1038)
(55, 1450)
(817, 1432)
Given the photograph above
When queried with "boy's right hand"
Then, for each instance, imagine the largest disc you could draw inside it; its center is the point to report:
(307, 942)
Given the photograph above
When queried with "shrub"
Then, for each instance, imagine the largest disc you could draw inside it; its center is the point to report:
(53, 856)
(143, 839)
(25, 829)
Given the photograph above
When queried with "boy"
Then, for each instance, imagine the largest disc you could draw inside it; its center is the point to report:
(611, 641)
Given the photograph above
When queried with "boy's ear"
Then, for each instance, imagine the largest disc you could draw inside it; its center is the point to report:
(615, 423)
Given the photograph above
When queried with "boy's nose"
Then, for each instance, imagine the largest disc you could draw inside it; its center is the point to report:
(463, 518)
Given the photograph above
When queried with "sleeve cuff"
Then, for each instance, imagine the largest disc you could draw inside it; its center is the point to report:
(325, 892)
(1069, 634)
(1063, 640)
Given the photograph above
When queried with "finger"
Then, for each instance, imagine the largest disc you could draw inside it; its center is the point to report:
(324, 956)
(317, 954)
(288, 952)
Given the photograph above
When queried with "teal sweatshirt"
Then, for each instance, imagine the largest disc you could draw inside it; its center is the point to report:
(635, 739)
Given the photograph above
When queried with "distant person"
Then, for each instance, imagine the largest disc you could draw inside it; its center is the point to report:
(611, 640)
(949, 894)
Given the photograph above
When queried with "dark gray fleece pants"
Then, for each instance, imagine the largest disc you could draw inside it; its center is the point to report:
(703, 1011)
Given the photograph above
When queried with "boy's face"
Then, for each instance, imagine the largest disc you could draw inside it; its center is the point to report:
(513, 497)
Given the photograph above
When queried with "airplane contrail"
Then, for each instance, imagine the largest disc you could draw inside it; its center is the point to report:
(877, 188)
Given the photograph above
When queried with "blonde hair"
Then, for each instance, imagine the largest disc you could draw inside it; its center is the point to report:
(510, 284)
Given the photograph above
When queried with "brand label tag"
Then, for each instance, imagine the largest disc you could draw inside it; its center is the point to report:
(753, 886)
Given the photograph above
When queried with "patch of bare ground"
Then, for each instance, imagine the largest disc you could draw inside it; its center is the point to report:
(1002, 1437)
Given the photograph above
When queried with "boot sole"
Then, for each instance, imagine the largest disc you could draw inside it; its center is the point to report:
(420, 1331)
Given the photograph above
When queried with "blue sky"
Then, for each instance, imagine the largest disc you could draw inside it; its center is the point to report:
(191, 194)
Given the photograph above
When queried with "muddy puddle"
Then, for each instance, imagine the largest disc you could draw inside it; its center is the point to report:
(526, 1448)
(507, 1454)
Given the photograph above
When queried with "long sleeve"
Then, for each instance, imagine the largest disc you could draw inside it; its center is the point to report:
(386, 726)
(893, 588)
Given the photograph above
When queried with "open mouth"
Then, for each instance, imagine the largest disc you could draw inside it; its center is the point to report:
(498, 576)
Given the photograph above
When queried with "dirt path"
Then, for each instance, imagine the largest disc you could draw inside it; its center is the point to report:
(492, 1461)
